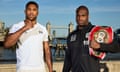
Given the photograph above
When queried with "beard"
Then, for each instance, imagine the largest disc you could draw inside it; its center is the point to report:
(82, 24)
(31, 18)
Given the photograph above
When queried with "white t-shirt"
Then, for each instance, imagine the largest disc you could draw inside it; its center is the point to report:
(30, 47)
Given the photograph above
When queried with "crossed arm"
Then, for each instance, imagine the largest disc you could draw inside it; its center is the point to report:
(12, 38)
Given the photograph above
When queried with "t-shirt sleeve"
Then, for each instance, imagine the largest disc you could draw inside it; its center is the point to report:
(45, 38)
(13, 29)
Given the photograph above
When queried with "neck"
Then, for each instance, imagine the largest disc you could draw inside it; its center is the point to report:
(82, 26)
(33, 21)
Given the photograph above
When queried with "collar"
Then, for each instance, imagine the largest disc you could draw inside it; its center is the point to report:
(85, 27)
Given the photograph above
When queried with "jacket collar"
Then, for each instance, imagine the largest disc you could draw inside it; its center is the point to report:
(85, 27)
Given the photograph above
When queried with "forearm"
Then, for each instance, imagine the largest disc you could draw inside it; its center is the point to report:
(11, 39)
(113, 47)
(48, 59)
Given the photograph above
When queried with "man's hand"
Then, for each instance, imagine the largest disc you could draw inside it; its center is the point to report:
(28, 24)
(95, 45)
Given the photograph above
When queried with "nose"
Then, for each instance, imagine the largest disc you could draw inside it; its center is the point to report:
(79, 17)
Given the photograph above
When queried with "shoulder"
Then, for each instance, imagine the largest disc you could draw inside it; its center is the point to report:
(18, 25)
(91, 27)
(41, 26)
(72, 33)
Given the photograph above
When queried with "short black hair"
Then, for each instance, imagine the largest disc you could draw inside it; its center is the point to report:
(82, 7)
(32, 2)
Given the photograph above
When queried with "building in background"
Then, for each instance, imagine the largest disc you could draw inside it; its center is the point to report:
(3, 32)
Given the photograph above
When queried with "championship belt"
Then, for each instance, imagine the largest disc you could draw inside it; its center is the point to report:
(101, 34)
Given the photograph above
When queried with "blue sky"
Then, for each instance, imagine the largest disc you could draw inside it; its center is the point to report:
(62, 12)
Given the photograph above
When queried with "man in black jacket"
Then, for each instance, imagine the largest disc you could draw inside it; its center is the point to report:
(77, 58)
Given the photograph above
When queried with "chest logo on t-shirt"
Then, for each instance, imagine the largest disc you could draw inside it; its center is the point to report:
(32, 33)
(73, 37)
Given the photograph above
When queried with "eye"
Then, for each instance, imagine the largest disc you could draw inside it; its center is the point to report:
(34, 9)
(82, 15)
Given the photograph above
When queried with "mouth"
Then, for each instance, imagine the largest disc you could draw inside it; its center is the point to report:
(80, 22)
(31, 15)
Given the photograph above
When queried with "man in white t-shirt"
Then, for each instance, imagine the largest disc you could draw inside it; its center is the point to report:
(32, 40)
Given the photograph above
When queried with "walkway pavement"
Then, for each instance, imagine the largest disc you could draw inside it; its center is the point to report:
(57, 67)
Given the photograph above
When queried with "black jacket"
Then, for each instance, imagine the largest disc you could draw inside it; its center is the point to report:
(77, 58)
